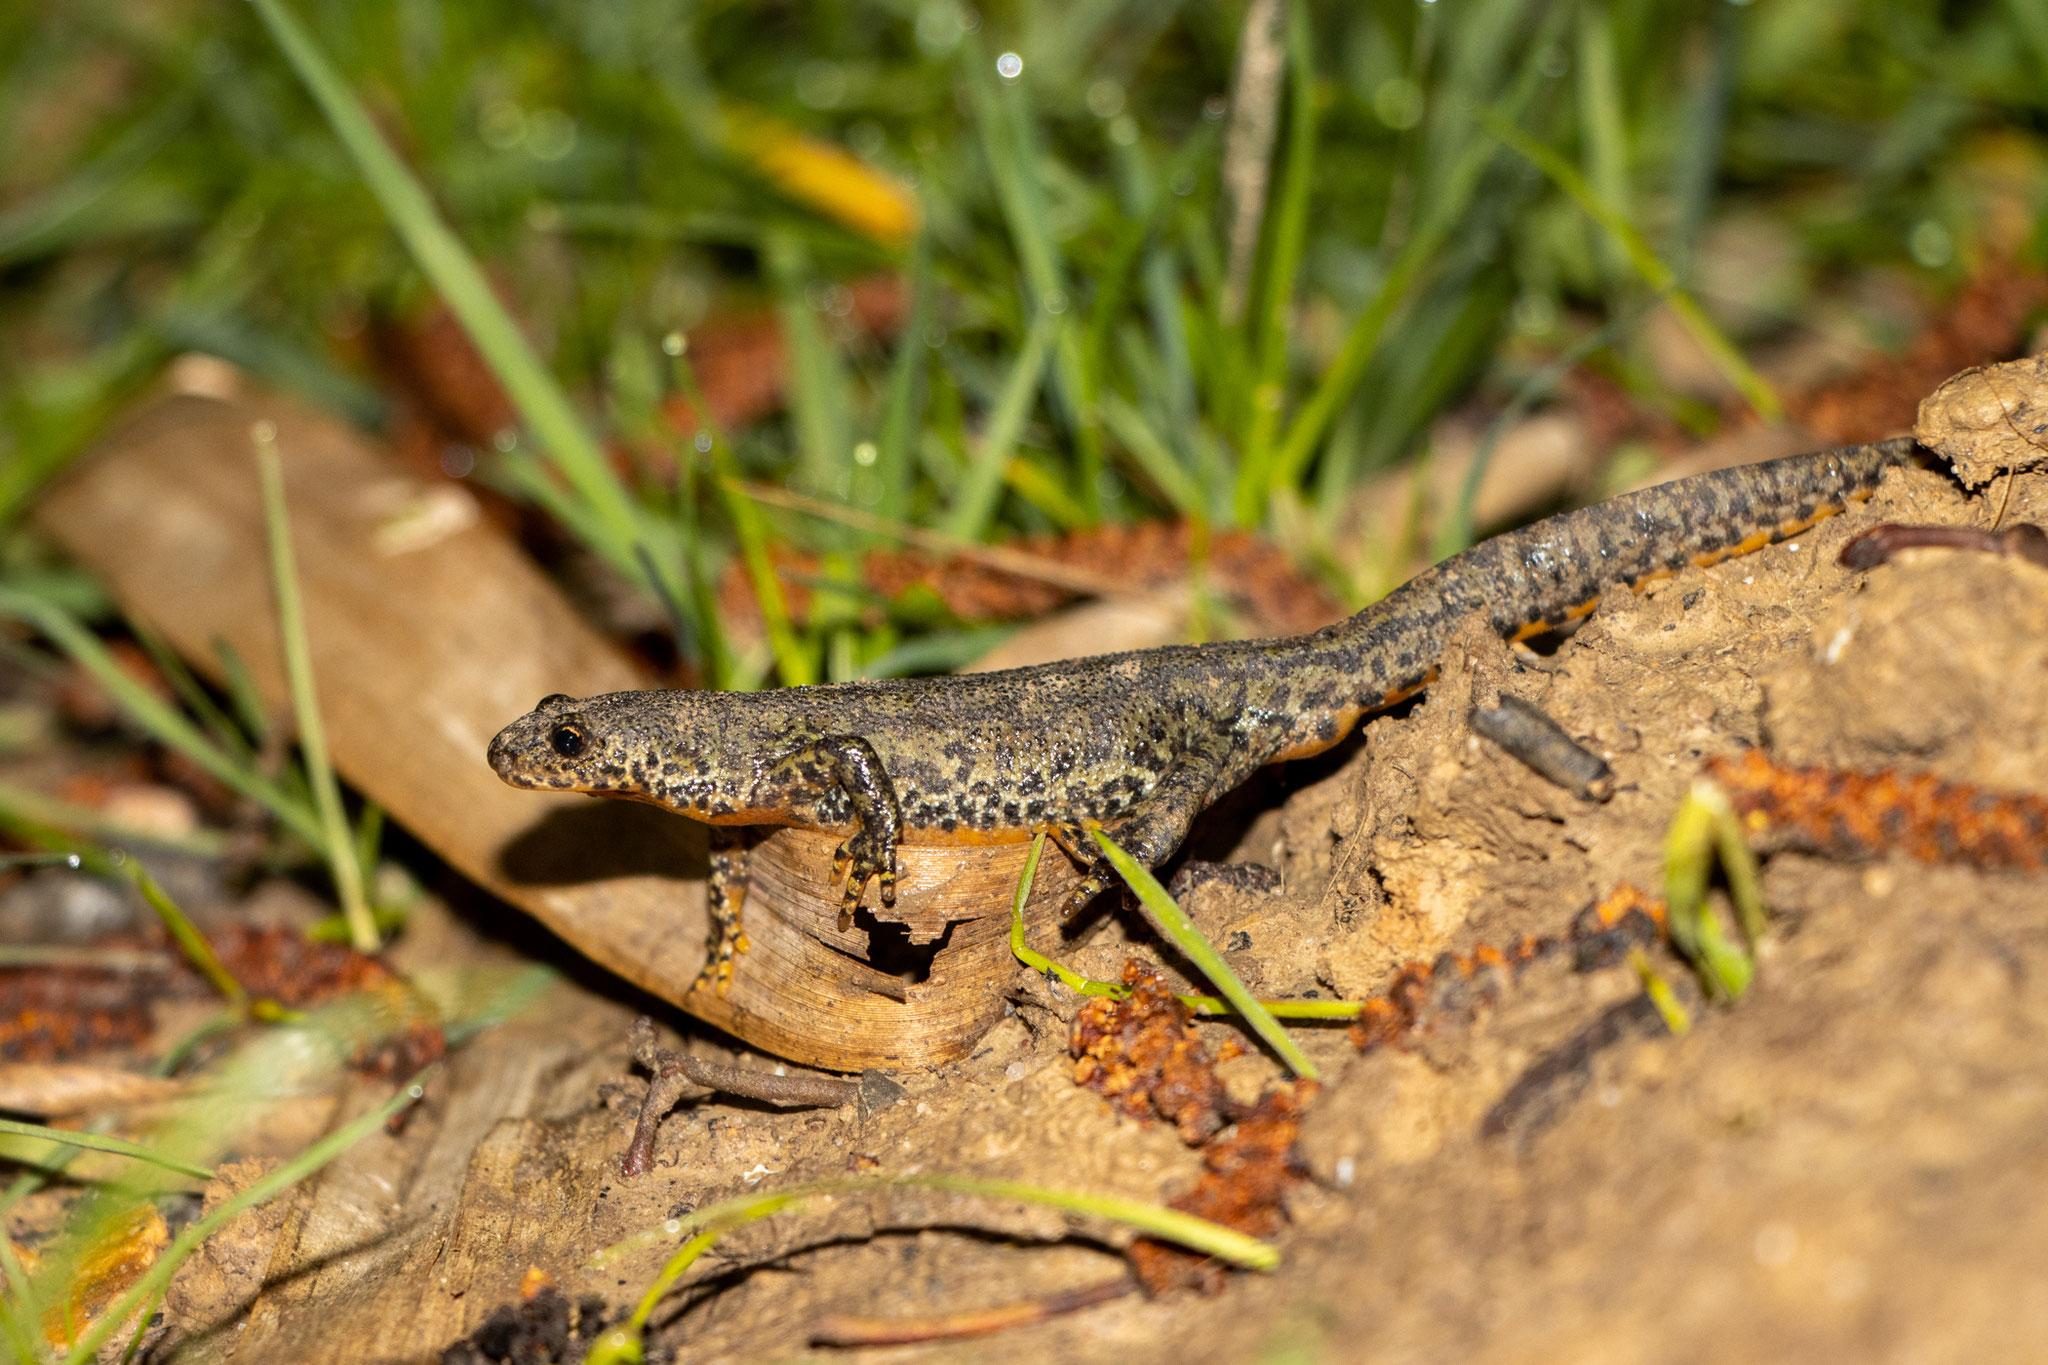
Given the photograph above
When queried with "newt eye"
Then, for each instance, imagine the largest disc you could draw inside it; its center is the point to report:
(552, 699)
(566, 740)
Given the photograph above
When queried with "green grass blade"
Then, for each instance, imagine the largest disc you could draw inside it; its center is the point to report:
(1009, 159)
(19, 804)
(1040, 484)
(714, 650)
(975, 503)
(1755, 390)
(818, 401)
(895, 451)
(1289, 229)
(1031, 957)
(1153, 456)
(1173, 922)
(1601, 119)
(187, 936)
(215, 722)
(241, 689)
(752, 531)
(2032, 21)
(1701, 829)
(335, 840)
(1207, 1006)
(1349, 365)
(1216, 1007)
(1697, 160)
(99, 1142)
(748, 1209)
(1458, 531)
(623, 1345)
(460, 281)
(1196, 1234)
(146, 1290)
(1003, 120)
(21, 1309)
(45, 222)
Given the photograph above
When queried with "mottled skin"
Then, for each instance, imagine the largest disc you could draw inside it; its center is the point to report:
(1137, 743)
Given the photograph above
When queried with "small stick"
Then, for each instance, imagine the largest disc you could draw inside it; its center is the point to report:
(1877, 545)
(1527, 733)
(676, 1074)
(850, 1329)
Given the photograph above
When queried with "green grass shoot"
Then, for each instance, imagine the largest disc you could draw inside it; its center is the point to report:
(99, 1142)
(617, 524)
(1173, 922)
(1704, 832)
(1207, 1006)
(336, 840)
(706, 1225)
(1661, 279)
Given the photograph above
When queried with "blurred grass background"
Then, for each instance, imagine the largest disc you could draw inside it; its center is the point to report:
(1019, 269)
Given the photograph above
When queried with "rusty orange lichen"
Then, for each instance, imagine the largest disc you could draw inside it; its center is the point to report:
(1454, 983)
(52, 1013)
(1843, 814)
(1245, 1179)
(1142, 1051)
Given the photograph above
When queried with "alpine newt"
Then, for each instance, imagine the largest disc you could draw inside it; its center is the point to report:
(1136, 743)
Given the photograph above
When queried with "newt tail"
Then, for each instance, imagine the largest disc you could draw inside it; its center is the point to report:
(1137, 743)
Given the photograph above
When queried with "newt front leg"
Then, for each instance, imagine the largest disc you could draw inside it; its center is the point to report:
(725, 895)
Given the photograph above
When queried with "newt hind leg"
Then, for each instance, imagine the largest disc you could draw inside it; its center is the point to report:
(725, 894)
(1150, 833)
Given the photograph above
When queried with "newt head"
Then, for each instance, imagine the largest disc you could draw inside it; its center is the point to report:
(616, 745)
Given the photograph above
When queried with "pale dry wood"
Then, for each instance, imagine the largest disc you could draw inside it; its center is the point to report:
(68, 1089)
(430, 629)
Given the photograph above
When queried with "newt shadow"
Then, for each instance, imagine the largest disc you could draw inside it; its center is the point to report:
(600, 841)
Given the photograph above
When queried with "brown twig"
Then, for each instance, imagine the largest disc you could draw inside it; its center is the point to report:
(851, 1329)
(676, 1074)
(1880, 543)
(1528, 733)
